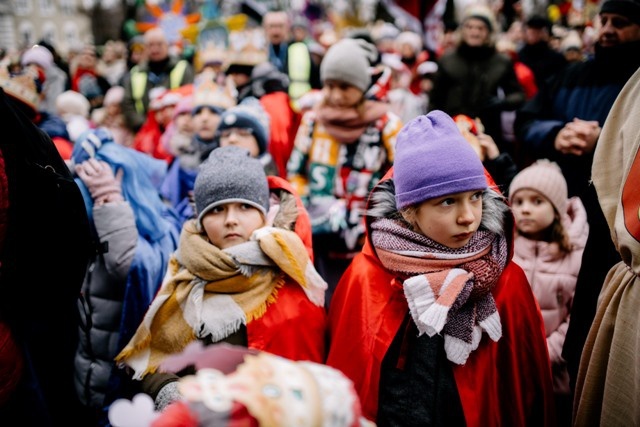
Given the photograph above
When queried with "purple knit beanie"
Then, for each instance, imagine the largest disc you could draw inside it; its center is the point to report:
(433, 159)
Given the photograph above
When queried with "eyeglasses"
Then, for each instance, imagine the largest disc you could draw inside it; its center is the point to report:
(617, 22)
(226, 133)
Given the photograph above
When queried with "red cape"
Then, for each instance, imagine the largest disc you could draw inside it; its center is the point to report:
(504, 383)
(295, 328)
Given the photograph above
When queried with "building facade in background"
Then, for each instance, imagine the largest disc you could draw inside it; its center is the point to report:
(63, 23)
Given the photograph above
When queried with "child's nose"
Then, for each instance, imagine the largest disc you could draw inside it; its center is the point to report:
(231, 217)
(466, 214)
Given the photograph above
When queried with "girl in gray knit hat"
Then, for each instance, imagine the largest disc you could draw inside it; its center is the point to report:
(344, 145)
(242, 274)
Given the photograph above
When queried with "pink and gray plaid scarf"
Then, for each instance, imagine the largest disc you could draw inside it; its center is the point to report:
(448, 290)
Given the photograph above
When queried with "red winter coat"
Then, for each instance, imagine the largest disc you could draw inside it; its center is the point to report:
(147, 139)
(502, 383)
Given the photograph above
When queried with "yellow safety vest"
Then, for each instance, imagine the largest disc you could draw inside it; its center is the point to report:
(139, 82)
(299, 70)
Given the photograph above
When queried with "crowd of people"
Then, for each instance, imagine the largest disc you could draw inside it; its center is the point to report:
(329, 227)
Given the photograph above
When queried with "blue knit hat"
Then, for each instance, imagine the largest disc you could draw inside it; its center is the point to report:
(433, 159)
(230, 175)
(249, 114)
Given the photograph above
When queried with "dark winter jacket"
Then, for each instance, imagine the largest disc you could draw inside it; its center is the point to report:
(477, 82)
(542, 60)
(584, 90)
(45, 255)
(136, 238)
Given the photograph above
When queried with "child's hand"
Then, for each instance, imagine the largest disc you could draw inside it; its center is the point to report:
(100, 181)
(489, 148)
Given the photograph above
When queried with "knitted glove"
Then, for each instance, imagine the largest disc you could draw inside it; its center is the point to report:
(167, 395)
(100, 181)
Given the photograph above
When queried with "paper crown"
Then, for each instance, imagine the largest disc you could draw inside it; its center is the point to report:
(22, 86)
(246, 47)
(209, 94)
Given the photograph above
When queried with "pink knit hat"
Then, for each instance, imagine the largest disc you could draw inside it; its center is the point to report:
(546, 178)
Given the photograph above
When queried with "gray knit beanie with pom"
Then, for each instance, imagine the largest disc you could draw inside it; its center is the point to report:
(230, 175)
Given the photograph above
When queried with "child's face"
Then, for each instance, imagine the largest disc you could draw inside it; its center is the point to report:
(426, 85)
(113, 109)
(406, 51)
(450, 220)
(164, 115)
(231, 224)
(239, 79)
(533, 213)
(242, 137)
(183, 123)
(340, 94)
(205, 123)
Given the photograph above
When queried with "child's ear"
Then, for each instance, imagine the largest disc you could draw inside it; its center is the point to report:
(271, 215)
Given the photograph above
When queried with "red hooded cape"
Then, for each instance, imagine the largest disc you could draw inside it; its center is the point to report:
(296, 329)
(502, 383)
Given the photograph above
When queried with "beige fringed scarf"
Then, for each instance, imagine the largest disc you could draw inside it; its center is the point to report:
(212, 292)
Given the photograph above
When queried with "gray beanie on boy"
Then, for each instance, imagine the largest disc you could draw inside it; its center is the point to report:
(349, 61)
(230, 175)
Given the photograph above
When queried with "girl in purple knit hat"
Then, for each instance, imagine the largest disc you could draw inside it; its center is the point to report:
(432, 321)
